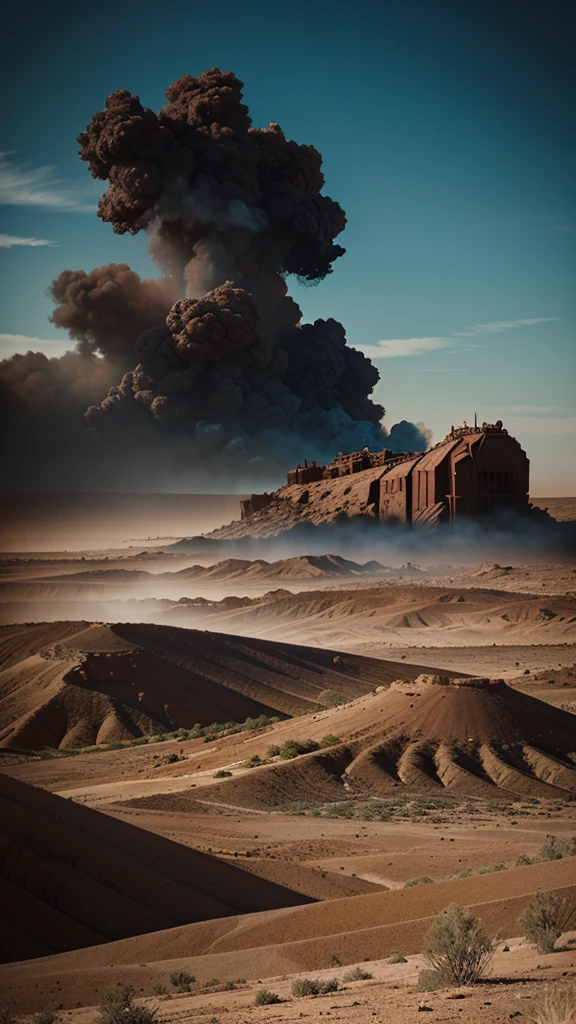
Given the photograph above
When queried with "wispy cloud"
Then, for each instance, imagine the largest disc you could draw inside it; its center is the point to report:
(23, 185)
(9, 241)
(502, 325)
(395, 347)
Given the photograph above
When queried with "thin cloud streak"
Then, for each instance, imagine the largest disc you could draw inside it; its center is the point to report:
(19, 344)
(502, 325)
(397, 347)
(9, 241)
(22, 185)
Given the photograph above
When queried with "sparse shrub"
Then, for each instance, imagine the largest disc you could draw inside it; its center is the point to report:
(557, 1007)
(45, 1017)
(396, 958)
(489, 868)
(459, 950)
(6, 1016)
(182, 981)
(117, 1006)
(557, 847)
(159, 990)
(357, 974)
(330, 740)
(523, 860)
(293, 748)
(212, 983)
(253, 761)
(221, 774)
(313, 987)
(265, 997)
(229, 986)
(422, 880)
(429, 981)
(543, 921)
(273, 751)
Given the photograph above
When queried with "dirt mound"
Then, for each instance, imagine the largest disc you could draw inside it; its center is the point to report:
(72, 877)
(284, 941)
(473, 736)
(76, 684)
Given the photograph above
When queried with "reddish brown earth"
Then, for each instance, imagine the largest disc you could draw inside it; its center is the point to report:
(76, 684)
(72, 877)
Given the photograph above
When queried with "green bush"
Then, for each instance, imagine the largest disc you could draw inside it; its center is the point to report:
(357, 974)
(117, 1006)
(253, 762)
(158, 989)
(182, 981)
(273, 751)
(330, 740)
(265, 997)
(523, 860)
(293, 748)
(459, 951)
(212, 983)
(429, 981)
(543, 921)
(313, 987)
(422, 880)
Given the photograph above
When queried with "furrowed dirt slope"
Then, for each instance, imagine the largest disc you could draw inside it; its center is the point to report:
(72, 877)
(286, 941)
(75, 684)
(410, 614)
(472, 736)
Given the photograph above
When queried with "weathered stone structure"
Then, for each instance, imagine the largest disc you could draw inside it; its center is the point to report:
(472, 472)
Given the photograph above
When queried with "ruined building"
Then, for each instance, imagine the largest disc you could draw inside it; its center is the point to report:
(472, 472)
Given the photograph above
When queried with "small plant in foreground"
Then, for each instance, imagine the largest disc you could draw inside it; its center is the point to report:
(265, 997)
(330, 740)
(557, 1007)
(396, 958)
(459, 950)
(312, 987)
(117, 1006)
(182, 981)
(357, 974)
(543, 921)
(422, 880)
(429, 981)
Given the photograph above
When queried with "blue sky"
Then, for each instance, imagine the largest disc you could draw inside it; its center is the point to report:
(446, 132)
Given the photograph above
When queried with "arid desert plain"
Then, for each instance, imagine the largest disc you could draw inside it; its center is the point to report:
(222, 774)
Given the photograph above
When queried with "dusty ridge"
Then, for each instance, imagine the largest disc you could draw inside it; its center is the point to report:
(406, 613)
(72, 877)
(285, 941)
(471, 736)
(75, 684)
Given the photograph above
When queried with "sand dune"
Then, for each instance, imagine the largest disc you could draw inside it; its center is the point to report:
(75, 684)
(475, 737)
(72, 877)
(284, 941)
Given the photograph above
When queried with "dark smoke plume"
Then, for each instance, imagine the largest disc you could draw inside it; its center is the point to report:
(228, 372)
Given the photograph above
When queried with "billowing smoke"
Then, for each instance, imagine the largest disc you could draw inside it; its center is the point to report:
(107, 310)
(212, 359)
